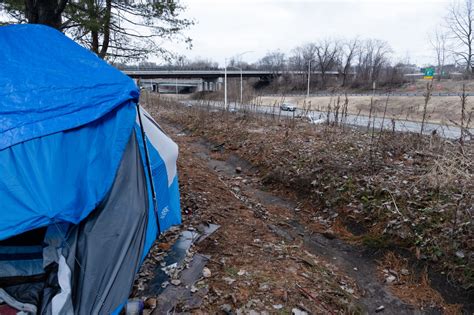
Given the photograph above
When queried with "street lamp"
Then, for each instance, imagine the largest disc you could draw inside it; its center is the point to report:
(241, 84)
(225, 84)
(241, 80)
(309, 77)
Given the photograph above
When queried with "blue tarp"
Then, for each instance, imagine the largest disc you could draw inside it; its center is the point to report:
(50, 169)
(48, 83)
(64, 176)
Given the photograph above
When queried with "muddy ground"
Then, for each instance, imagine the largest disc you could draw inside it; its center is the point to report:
(275, 254)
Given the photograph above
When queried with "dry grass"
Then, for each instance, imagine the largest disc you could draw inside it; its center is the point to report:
(412, 287)
(416, 192)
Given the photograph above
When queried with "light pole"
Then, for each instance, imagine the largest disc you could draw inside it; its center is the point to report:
(241, 79)
(241, 84)
(309, 78)
(225, 84)
(241, 88)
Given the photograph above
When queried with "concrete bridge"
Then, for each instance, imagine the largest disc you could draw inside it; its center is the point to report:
(197, 74)
(210, 80)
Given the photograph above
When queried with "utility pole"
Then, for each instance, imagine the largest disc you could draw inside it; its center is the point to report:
(241, 80)
(309, 78)
(225, 84)
(241, 88)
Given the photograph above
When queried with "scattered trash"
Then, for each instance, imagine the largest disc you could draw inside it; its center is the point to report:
(238, 170)
(134, 307)
(277, 306)
(379, 309)
(182, 293)
(460, 254)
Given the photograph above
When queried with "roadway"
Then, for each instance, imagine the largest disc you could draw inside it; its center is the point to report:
(377, 94)
(318, 117)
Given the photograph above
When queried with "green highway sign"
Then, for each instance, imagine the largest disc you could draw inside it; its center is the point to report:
(429, 72)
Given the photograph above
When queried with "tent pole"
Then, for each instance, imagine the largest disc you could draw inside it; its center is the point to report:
(148, 166)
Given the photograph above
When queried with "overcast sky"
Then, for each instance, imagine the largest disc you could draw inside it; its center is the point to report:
(225, 28)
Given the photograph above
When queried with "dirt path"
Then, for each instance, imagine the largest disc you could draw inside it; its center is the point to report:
(266, 256)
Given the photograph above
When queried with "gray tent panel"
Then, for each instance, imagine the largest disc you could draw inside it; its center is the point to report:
(104, 251)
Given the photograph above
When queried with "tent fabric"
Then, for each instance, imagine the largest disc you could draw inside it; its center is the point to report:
(50, 84)
(105, 250)
(64, 176)
(162, 153)
(74, 177)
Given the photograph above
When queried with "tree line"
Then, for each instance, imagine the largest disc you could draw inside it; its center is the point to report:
(131, 30)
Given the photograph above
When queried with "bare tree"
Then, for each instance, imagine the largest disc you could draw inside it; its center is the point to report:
(438, 41)
(326, 58)
(349, 51)
(459, 22)
(373, 56)
(299, 60)
(273, 60)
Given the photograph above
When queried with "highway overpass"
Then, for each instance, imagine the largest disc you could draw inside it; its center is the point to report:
(196, 74)
(211, 79)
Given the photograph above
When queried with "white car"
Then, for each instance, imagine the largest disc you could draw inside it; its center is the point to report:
(288, 107)
(313, 120)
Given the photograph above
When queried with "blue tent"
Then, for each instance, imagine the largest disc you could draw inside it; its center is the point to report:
(87, 178)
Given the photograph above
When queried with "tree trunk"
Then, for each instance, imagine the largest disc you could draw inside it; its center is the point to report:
(47, 12)
(106, 38)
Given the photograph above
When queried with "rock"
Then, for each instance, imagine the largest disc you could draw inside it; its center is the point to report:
(206, 273)
(241, 272)
(329, 234)
(264, 287)
(297, 311)
(175, 282)
(226, 308)
(194, 289)
(390, 279)
(379, 309)
(228, 280)
(238, 170)
(150, 303)
(405, 272)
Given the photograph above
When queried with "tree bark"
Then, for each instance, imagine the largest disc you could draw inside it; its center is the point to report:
(106, 38)
(47, 12)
